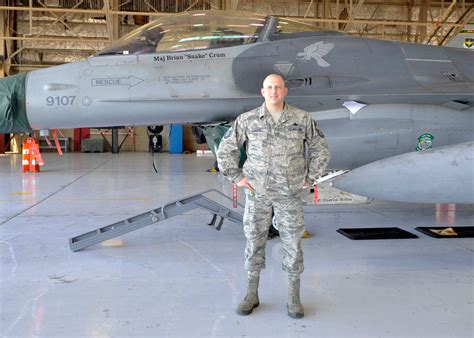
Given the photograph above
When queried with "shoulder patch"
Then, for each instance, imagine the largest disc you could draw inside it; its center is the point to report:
(315, 126)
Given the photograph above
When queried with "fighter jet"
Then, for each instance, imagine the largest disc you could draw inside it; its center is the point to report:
(398, 116)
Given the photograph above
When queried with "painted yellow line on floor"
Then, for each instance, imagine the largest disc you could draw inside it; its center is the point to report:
(21, 193)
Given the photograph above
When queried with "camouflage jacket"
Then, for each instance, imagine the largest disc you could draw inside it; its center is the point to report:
(276, 161)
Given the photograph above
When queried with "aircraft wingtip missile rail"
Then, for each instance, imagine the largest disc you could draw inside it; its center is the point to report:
(436, 175)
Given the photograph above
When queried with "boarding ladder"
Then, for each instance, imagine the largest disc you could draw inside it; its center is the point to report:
(156, 215)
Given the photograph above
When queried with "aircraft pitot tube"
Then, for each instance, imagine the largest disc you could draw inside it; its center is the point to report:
(438, 175)
(12, 105)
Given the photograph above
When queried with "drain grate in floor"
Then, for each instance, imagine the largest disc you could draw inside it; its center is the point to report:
(376, 233)
(448, 232)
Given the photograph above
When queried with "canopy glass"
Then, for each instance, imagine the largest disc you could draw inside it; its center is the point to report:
(202, 30)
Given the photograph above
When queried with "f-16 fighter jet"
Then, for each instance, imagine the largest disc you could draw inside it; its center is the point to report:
(398, 116)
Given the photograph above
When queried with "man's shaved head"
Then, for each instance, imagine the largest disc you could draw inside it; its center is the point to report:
(274, 91)
(274, 77)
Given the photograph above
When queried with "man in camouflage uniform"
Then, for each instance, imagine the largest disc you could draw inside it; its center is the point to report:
(274, 175)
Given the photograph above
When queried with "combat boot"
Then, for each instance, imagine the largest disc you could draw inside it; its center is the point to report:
(250, 301)
(295, 309)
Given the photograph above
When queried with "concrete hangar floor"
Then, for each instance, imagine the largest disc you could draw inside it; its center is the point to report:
(181, 278)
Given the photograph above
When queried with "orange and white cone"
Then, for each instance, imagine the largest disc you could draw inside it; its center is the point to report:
(25, 156)
(34, 166)
(35, 156)
(31, 156)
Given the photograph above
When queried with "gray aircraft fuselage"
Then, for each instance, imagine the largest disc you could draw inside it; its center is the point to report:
(219, 84)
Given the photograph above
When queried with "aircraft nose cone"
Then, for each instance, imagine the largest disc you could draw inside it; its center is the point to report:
(13, 117)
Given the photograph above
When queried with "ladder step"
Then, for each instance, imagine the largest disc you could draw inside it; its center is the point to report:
(153, 216)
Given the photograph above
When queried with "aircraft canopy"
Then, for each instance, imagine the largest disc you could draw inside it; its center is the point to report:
(199, 30)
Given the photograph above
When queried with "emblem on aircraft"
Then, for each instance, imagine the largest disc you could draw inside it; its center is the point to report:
(316, 51)
(468, 42)
(284, 68)
(425, 141)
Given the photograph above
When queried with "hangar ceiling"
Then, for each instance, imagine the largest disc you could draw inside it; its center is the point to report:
(42, 33)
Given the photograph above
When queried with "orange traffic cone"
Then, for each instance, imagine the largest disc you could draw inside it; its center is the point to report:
(26, 156)
(31, 156)
(34, 165)
(35, 156)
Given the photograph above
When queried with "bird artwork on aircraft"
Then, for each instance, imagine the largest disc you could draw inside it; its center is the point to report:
(316, 51)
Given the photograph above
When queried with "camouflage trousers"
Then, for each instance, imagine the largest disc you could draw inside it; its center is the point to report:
(257, 220)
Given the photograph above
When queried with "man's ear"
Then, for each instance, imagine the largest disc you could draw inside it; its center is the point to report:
(286, 91)
(262, 91)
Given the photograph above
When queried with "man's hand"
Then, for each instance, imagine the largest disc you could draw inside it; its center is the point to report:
(244, 182)
(306, 184)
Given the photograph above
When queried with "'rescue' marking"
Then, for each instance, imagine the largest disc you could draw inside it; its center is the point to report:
(116, 81)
